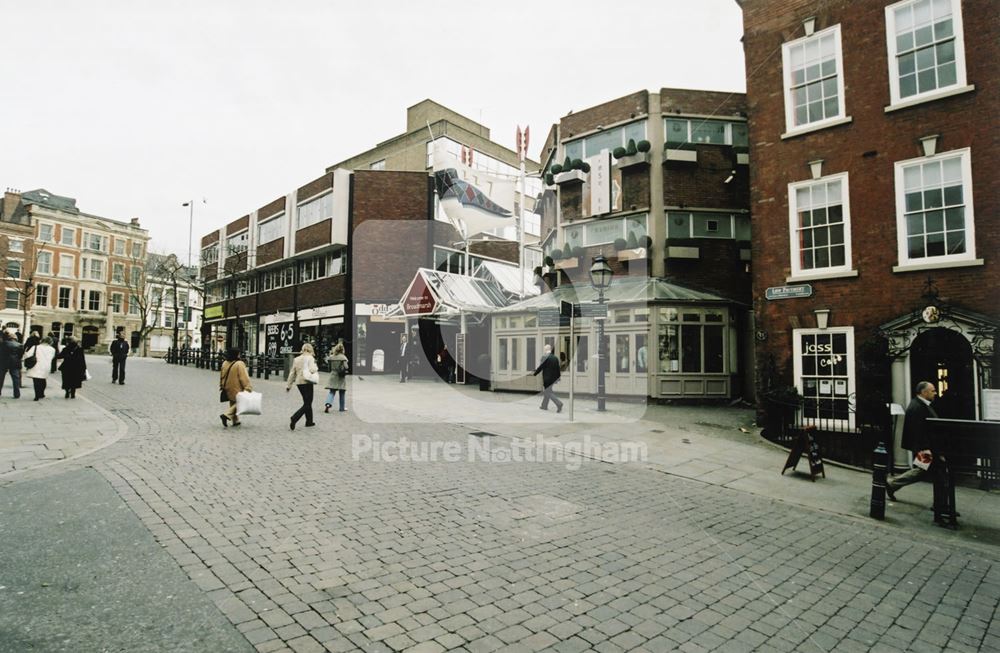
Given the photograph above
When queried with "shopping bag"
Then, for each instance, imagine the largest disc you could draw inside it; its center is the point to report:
(86, 375)
(249, 403)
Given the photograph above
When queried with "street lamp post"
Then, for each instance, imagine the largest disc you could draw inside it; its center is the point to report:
(600, 279)
(190, 205)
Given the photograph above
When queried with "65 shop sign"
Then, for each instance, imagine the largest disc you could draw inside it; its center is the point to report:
(280, 338)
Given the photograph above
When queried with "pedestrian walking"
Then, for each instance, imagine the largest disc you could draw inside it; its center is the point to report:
(447, 364)
(337, 381)
(233, 379)
(119, 354)
(917, 438)
(304, 375)
(44, 353)
(549, 367)
(10, 361)
(73, 367)
(404, 359)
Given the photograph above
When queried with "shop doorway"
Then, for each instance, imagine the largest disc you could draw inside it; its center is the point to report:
(944, 357)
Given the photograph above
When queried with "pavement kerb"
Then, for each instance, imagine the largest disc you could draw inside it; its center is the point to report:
(120, 432)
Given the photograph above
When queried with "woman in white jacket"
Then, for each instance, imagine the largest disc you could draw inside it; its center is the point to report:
(39, 372)
(304, 375)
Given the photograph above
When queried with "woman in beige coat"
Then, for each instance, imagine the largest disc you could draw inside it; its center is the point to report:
(304, 363)
(233, 379)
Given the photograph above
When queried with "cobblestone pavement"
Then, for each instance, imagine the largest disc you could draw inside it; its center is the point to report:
(304, 548)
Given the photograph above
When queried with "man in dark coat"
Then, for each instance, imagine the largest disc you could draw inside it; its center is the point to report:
(549, 367)
(119, 354)
(916, 436)
(10, 361)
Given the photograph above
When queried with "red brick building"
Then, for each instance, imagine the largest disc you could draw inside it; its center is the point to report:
(873, 151)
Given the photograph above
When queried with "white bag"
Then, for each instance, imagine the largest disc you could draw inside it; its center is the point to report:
(248, 403)
(87, 375)
(310, 376)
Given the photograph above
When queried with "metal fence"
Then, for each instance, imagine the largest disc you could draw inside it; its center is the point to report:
(849, 441)
(258, 365)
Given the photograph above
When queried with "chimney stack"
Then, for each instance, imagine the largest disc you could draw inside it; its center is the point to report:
(135, 222)
(11, 198)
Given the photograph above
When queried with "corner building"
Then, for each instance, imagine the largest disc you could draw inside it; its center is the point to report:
(874, 189)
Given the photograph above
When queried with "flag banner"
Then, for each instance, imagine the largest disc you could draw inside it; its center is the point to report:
(480, 201)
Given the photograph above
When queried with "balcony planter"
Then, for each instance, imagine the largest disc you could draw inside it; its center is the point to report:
(632, 254)
(630, 160)
(570, 176)
(681, 156)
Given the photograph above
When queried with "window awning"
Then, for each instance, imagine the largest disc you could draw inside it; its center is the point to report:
(633, 290)
(509, 278)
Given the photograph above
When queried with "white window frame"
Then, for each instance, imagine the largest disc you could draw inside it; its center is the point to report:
(39, 267)
(72, 236)
(279, 219)
(117, 302)
(52, 232)
(88, 269)
(325, 209)
(119, 247)
(69, 298)
(115, 277)
(841, 117)
(15, 245)
(64, 258)
(48, 294)
(960, 85)
(793, 228)
(947, 260)
(851, 384)
(16, 294)
(7, 265)
(102, 242)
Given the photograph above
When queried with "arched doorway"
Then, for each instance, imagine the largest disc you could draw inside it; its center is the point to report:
(90, 336)
(944, 357)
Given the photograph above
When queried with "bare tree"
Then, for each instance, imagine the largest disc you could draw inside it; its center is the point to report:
(20, 270)
(142, 297)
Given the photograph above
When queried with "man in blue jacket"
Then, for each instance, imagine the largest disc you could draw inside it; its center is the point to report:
(549, 367)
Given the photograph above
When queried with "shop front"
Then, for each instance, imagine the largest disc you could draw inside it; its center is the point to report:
(662, 341)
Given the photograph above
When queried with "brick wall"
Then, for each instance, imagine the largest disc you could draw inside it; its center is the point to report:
(315, 235)
(635, 187)
(237, 226)
(272, 207)
(866, 149)
(702, 184)
(720, 103)
(623, 108)
(393, 232)
(270, 252)
(315, 187)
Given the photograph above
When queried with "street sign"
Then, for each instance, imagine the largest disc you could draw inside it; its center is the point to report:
(569, 309)
(550, 317)
(593, 310)
(789, 292)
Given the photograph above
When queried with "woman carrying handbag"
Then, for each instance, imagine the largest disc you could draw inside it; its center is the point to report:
(337, 382)
(38, 372)
(304, 375)
(233, 379)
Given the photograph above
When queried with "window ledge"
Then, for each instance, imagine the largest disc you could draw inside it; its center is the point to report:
(844, 274)
(792, 133)
(917, 267)
(905, 104)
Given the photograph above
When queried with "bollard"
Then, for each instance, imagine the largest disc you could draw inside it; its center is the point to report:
(880, 469)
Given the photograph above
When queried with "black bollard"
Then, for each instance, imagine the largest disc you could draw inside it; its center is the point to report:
(880, 469)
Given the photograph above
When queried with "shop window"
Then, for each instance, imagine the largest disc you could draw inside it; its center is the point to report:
(824, 373)
(695, 346)
(641, 353)
(623, 353)
(529, 352)
(502, 354)
(582, 354)
(515, 361)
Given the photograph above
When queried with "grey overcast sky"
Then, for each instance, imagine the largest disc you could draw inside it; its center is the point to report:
(133, 107)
